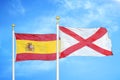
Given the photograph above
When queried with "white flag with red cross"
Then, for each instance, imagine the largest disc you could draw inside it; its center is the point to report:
(84, 42)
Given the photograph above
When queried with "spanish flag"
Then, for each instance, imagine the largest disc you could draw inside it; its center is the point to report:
(35, 46)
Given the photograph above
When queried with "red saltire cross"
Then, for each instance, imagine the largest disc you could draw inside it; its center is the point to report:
(84, 42)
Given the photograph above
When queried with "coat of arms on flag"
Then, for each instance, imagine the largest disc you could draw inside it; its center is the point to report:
(29, 47)
(84, 42)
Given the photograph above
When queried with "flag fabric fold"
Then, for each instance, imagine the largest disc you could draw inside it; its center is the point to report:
(84, 42)
(35, 46)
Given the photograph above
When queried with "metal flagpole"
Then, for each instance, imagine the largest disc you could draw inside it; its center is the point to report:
(13, 54)
(57, 53)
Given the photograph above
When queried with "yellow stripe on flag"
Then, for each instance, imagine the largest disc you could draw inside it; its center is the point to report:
(39, 47)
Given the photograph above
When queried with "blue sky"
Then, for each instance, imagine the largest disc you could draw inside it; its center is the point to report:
(38, 16)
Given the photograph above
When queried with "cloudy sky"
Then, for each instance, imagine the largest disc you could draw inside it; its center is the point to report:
(38, 16)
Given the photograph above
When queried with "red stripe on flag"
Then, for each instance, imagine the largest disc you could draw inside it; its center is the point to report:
(35, 37)
(33, 56)
(84, 42)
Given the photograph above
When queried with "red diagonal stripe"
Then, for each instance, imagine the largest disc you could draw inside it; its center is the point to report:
(85, 42)
(70, 33)
(99, 49)
(71, 49)
(97, 35)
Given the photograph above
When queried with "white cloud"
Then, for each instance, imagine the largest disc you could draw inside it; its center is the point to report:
(77, 7)
(16, 7)
(117, 0)
(113, 28)
(72, 4)
(77, 13)
(88, 5)
(83, 13)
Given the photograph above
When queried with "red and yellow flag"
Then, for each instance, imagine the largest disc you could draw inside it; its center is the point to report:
(35, 46)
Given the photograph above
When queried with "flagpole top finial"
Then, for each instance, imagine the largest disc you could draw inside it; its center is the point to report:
(57, 17)
(13, 25)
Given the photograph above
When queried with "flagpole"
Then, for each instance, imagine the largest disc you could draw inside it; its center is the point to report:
(57, 53)
(13, 54)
